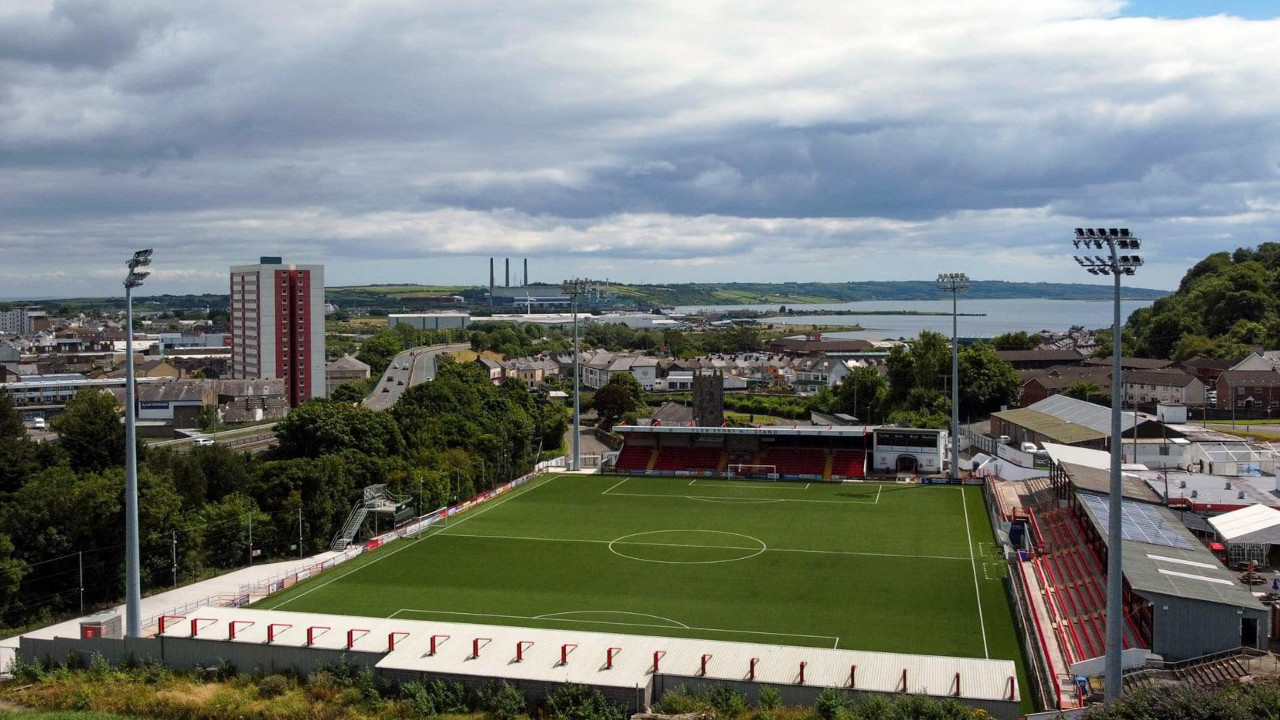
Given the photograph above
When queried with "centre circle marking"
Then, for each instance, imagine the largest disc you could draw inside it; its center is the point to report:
(749, 552)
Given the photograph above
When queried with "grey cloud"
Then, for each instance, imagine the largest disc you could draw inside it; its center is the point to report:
(92, 34)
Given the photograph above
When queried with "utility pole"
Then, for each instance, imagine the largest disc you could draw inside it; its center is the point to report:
(173, 556)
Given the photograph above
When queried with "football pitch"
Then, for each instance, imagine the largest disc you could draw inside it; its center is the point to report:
(885, 567)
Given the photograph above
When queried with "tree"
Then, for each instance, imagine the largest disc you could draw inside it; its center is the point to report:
(11, 426)
(1087, 391)
(353, 391)
(861, 393)
(986, 382)
(11, 572)
(322, 426)
(1020, 340)
(613, 401)
(377, 351)
(91, 432)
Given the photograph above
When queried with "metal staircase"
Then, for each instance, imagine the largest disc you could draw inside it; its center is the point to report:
(377, 499)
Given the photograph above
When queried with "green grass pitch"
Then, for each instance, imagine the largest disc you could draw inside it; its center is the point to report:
(895, 568)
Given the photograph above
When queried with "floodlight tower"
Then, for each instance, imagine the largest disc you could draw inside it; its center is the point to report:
(1116, 241)
(132, 562)
(954, 282)
(573, 288)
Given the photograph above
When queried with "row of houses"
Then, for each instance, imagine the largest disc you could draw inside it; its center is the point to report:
(1252, 383)
(802, 374)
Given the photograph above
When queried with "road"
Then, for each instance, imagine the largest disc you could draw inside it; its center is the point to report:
(409, 368)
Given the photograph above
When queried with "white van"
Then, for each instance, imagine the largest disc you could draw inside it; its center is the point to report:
(1029, 447)
(38, 424)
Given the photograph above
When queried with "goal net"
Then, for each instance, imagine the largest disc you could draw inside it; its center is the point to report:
(745, 471)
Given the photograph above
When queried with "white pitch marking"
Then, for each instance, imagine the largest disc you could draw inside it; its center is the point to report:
(982, 623)
(405, 546)
(622, 624)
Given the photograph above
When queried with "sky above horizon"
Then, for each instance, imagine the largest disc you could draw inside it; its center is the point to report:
(398, 141)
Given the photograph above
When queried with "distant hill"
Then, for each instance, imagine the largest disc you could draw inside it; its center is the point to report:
(402, 297)
(797, 293)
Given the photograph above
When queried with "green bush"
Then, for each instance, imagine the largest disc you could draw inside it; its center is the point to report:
(579, 702)
(727, 701)
(501, 700)
(832, 704)
(273, 686)
(770, 698)
(678, 702)
(436, 698)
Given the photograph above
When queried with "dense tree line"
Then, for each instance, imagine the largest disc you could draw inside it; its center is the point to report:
(915, 389)
(1224, 304)
(61, 505)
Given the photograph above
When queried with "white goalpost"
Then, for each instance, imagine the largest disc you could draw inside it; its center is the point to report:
(746, 471)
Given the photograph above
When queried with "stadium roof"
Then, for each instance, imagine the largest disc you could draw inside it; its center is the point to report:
(1254, 524)
(574, 656)
(1069, 409)
(1054, 428)
(795, 430)
(1162, 567)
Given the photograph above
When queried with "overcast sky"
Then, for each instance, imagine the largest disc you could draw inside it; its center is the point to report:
(675, 141)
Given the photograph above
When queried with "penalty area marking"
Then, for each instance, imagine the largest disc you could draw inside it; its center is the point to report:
(835, 639)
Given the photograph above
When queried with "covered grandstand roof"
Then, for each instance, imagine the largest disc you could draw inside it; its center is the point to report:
(1254, 524)
(1050, 426)
(1090, 470)
(1079, 412)
(794, 430)
(573, 656)
(1161, 556)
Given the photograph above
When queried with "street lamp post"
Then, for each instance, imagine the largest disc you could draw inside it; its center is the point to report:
(954, 282)
(574, 288)
(132, 561)
(1116, 241)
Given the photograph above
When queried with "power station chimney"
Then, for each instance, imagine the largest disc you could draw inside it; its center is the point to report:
(490, 282)
(526, 271)
(508, 261)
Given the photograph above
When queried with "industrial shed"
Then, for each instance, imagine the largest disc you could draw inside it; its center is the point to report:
(633, 670)
(1249, 533)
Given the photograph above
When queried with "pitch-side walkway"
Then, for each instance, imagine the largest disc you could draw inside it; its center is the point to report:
(189, 595)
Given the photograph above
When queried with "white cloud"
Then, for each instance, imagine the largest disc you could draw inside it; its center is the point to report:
(708, 140)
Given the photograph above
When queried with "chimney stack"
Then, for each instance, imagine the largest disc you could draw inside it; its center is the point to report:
(508, 261)
(490, 282)
(526, 271)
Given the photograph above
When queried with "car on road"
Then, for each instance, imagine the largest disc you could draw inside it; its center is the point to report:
(203, 442)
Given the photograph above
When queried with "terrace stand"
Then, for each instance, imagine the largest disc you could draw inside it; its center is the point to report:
(802, 664)
(703, 670)
(476, 645)
(751, 669)
(608, 657)
(195, 624)
(165, 618)
(853, 676)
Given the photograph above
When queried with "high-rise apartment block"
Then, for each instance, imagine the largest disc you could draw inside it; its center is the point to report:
(277, 326)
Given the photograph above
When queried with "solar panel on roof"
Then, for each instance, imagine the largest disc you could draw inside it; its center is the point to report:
(1138, 522)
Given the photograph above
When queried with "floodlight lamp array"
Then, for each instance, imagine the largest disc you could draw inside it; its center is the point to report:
(953, 281)
(1112, 239)
(141, 258)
